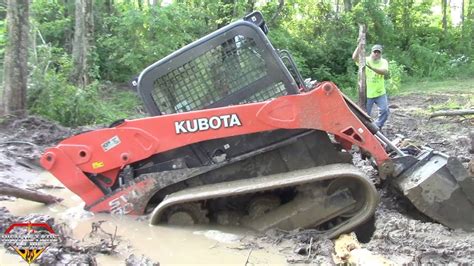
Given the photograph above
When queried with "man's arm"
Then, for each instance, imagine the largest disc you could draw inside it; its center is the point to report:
(381, 71)
(355, 54)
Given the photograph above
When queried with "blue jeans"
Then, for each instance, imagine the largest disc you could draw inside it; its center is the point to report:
(382, 103)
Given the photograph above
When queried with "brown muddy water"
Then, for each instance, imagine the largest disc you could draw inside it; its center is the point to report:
(164, 244)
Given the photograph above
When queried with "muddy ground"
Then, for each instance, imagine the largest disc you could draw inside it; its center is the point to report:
(398, 233)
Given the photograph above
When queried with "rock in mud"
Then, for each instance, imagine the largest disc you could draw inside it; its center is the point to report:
(133, 260)
(470, 167)
(58, 256)
(307, 246)
(348, 250)
(6, 218)
(471, 138)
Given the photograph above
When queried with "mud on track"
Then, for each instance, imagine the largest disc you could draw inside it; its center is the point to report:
(398, 233)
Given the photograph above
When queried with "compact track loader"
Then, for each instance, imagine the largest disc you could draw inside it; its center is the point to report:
(235, 136)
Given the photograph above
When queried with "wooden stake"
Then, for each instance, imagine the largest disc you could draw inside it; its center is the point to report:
(362, 78)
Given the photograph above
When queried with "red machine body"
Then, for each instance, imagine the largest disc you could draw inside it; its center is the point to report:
(107, 151)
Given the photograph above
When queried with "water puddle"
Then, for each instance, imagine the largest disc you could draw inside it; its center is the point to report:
(164, 244)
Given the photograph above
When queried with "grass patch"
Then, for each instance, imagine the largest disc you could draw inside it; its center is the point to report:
(450, 94)
(452, 104)
(451, 85)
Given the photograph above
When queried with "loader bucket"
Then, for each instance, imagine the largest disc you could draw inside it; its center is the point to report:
(439, 186)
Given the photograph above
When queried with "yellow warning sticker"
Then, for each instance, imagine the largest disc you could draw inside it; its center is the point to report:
(96, 165)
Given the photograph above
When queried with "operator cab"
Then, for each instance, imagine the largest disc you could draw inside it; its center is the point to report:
(236, 64)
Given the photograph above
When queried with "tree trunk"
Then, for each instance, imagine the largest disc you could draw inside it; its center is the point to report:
(444, 6)
(82, 34)
(90, 26)
(108, 7)
(13, 97)
(469, 25)
(281, 3)
(462, 18)
(362, 79)
(347, 5)
(69, 31)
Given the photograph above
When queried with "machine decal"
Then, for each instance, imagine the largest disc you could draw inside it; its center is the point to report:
(120, 206)
(203, 124)
(111, 143)
(96, 165)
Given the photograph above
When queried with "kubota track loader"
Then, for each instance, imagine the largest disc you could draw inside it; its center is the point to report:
(235, 137)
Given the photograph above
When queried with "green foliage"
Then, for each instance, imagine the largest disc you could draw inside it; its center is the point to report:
(3, 38)
(53, 22)
(137, 38)
(3, 42)
(320, 37)
(396, 73)
(51, 95)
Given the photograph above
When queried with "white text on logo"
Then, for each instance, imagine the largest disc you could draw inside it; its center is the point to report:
(203, 124)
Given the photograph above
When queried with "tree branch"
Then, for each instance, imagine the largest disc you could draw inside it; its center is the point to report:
(12, 191)
(452, 113)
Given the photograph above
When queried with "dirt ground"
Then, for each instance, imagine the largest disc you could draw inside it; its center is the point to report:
(398, 234)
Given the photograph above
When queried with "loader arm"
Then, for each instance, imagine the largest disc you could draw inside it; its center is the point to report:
(107, 151)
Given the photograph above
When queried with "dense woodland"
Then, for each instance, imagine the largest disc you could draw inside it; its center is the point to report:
(71, 60)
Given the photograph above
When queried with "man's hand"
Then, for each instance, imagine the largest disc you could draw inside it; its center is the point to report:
(380, 71)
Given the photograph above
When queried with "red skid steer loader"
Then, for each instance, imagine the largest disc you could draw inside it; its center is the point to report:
(236, 137)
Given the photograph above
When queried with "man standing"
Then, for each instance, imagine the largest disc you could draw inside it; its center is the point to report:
(375, 71)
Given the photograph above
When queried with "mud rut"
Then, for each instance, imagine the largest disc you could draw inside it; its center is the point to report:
(398, 232)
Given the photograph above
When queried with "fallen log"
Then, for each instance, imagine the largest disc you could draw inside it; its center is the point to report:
(12, 191)
(452, 113)
(16, 142)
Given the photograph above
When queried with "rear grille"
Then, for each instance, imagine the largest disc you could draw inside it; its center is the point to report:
(214, 75)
